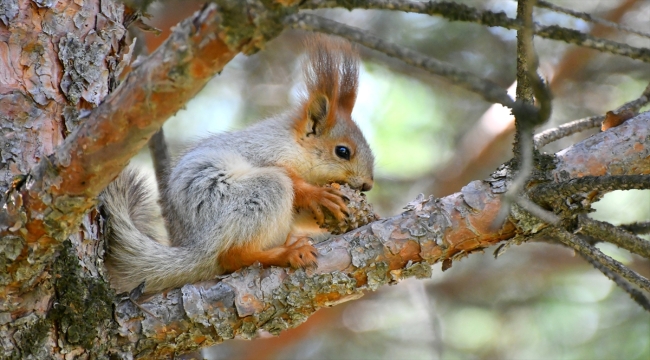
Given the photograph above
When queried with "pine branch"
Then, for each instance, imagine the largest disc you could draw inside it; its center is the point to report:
(637, 227)
(548, 136)
(586, 190)
(590, 18)
(581, 246)
(613, 234)
(634, 293)
(527, 115)
(459, 12)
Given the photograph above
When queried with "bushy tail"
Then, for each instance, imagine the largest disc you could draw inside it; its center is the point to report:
(137, 240)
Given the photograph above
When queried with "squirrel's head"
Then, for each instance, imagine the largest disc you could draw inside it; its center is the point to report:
(336, 149)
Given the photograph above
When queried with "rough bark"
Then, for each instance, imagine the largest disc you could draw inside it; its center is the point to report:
(58, 59)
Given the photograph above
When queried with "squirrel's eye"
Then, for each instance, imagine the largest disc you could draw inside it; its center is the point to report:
(342, 152)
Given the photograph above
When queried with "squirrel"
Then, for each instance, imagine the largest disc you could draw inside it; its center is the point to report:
(232, 199)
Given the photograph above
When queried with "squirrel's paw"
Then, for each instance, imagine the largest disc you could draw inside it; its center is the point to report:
(297, 240)
(329, 198)
(301, 254)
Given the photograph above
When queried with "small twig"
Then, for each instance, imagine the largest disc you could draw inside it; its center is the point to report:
(548, 136)
(515, 187)
(615, 235)
(581, 246)
(637, 227)
(487, 89)
(634, 293)
(449, 10)
(593, 185)
(527, 116)
(590, 18)
(536, 210)
(160, 157)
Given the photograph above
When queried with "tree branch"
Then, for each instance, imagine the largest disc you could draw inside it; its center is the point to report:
(527, 116)
(548, 136)
(577, 195)
(613, 234)
(634, 293)
(460, 12)
(385, 251)
(590, 18)
(581, 246)
(637, 227)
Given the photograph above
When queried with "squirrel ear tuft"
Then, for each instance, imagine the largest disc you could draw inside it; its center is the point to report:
(317, 114)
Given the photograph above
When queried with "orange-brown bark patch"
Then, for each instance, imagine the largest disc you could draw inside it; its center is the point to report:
(323, 299)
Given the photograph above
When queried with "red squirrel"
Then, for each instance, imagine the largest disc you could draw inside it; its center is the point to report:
(231, 198)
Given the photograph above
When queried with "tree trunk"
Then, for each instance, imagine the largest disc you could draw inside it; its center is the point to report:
(58, 60)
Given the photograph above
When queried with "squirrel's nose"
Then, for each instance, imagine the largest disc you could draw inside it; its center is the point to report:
(366, 186)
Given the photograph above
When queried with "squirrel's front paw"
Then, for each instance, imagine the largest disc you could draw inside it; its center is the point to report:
(327, 197)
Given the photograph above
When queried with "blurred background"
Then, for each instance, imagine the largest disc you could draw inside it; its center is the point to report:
(536, 301)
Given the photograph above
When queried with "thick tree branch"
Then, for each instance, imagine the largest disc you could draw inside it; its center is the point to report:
(622, 156)
(429, 231)
(595, 186)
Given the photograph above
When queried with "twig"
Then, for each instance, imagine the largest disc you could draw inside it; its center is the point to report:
(527, 116)
(487, 89)
(615, 235)
(576, 37)
(525, 55)
(449, 10)
(637, 227)
(589, 184)
(536, 210)
(634, 293)
(160, 157)
(583, 247)
(590, 18)
(548, 136)
(459, 12)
